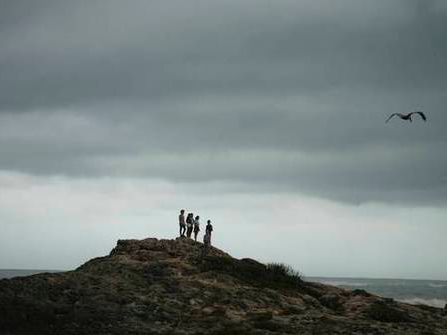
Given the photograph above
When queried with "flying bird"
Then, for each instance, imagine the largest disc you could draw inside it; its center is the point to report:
(407, 117)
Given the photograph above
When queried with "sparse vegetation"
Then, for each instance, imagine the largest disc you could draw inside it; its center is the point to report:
(384, 312)
(284, 273)
(274, 275)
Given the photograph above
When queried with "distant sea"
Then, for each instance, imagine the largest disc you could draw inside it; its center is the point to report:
(21, 273)
(427, 292)
(411, 291)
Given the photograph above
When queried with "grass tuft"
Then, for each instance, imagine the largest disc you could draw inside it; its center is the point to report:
(283, 273)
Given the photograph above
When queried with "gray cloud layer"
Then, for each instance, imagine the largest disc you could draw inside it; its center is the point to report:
(290, 95)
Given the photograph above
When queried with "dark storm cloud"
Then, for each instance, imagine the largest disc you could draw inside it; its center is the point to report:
(77, 53)
(291, 95)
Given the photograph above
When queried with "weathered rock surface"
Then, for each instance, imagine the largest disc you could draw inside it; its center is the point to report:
(164, 287)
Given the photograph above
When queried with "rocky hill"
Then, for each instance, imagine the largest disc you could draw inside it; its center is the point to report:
(165, 287)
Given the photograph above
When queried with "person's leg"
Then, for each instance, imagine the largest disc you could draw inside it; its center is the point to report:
(204, 250)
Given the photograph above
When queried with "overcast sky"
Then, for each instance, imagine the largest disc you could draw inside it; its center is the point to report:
(267, 117)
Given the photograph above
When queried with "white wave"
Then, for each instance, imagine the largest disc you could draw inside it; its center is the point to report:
(440, 303)
(437, 285)
(344, 283)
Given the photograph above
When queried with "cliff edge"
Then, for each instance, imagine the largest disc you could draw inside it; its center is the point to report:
(165, 287)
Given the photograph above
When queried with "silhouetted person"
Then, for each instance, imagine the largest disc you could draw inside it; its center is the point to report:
(208, 231)
(196, 227)
(206, 244)
(189, 224)
(181, 222)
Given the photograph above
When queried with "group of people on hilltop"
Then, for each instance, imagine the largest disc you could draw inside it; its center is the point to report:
(191, 224)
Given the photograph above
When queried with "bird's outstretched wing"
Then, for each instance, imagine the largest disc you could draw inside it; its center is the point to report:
(421, 114)
(394, 114)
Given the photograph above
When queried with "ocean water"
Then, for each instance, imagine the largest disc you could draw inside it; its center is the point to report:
(20, 273)
(427, 292)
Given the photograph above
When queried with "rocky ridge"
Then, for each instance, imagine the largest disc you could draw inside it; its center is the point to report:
(166, 287)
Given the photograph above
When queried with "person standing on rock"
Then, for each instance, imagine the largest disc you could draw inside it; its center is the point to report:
(189, 224)
(208, 231)
(196, 227)
(206, 244)
(181, 222)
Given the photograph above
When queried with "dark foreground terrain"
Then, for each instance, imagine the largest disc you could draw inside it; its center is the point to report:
(164, 287)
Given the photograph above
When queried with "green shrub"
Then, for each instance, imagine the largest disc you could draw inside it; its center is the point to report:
(384, 312)
(273, 275)
(283, 273)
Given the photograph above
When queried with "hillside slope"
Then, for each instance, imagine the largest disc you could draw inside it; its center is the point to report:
(165, 287)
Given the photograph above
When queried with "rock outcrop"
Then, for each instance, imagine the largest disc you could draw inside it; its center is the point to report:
(165, 287)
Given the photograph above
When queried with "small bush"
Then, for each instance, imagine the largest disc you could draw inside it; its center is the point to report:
(283, 273)
(273, 275)
(381, 311)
